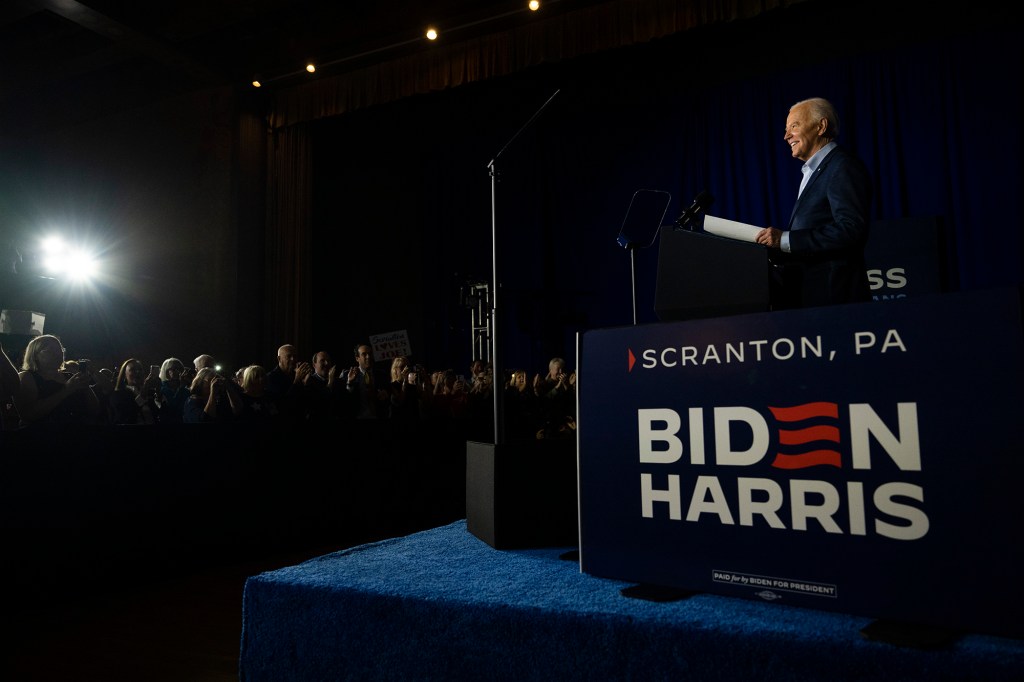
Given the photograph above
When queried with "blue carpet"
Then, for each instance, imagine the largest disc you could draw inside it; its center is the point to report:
(443, 605)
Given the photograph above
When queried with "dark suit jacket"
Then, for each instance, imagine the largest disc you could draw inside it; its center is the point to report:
(827, 234)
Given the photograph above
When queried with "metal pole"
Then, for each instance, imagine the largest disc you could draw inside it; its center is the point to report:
(499, 379)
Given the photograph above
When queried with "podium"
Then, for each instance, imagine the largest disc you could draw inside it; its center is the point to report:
(701, 275)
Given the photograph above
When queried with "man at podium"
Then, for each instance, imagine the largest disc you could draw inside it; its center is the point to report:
(819, 258)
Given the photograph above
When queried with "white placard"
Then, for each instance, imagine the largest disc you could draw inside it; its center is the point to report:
(390, 345)
(731, 229)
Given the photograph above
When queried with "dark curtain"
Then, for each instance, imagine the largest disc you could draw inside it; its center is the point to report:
(561, 30)
(250, 192)
(289, 237)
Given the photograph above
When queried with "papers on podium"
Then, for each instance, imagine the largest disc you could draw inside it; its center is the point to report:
(730, 228)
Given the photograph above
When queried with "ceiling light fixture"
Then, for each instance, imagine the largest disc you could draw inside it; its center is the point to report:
(534, 5)
(311, 67)
(431, 33)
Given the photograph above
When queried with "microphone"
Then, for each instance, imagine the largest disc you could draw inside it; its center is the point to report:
(700, 203)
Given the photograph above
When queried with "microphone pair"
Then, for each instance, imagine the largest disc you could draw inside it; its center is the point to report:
(700, 203)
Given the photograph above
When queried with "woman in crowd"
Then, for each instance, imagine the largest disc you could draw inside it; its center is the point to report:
(135, 394)
(258, 405)
(46, 395)
(399, 368)
(405, 392)
(174, 391)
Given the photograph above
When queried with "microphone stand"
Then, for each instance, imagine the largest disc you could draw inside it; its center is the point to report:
(498, 378)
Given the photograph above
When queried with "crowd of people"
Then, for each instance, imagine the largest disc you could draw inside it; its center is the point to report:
(49, 389)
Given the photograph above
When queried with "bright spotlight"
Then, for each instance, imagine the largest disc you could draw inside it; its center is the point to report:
(534, 5)
(431, 34)
(53, 244)
(80, 266)
(60, 260)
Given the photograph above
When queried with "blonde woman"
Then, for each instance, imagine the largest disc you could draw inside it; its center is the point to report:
(399, 368)
(258, 406)
(405, 392)
(48, 395)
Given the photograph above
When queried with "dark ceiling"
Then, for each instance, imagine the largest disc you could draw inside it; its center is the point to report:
(63, 61)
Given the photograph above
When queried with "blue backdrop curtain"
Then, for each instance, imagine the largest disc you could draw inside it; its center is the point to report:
(402, 200)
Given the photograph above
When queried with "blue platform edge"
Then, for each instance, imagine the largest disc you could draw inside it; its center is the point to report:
(442, 604)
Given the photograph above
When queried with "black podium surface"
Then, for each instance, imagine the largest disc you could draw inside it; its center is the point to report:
(701, 275)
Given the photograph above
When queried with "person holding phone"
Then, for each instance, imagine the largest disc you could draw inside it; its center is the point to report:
(213, 399)
(449, 397)
(48, 396)
(134, 398)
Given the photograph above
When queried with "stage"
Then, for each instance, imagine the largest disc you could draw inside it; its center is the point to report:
(442, 604)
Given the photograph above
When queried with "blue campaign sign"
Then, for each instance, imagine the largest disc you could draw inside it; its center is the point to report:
(863, 458)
